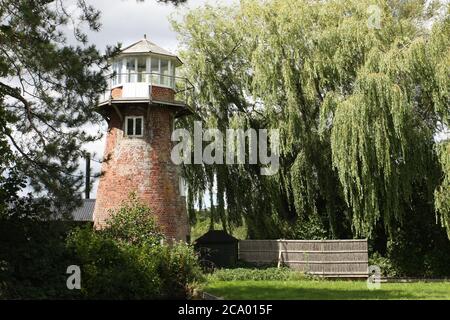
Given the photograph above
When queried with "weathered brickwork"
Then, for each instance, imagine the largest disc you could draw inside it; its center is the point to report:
(142, 165)
(162, 94)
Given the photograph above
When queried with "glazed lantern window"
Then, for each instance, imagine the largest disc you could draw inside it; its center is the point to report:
(144, 69)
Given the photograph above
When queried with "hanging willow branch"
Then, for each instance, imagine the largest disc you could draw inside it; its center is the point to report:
(357, 109)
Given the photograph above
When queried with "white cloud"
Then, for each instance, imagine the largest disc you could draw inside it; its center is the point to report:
(127, 21)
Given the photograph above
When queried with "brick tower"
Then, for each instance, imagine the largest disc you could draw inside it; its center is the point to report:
(143, 99)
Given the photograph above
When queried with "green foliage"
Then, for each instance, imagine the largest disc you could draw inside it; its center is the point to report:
(179, 269)
(246, 274)
(410, 254)
(358, 109)
(133, 223)
(33, 257)
(386, 267)
(442, 193)
(111, 270)
(120, 263)
(203, 224)
(417, 248)
(311, 229)
(48, 92)
(126, 260)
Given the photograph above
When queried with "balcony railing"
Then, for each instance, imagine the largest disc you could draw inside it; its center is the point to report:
(141, 85)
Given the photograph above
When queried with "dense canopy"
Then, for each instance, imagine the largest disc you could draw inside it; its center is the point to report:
(48, 91)
(359, 92)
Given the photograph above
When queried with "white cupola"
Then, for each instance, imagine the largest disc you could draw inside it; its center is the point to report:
(144, 71)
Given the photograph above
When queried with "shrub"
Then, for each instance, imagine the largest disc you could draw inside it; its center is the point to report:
(133, 223)
(387, 269)
(243, 274)
(126, 260)
(179, 267)
(114, 270)
(310, 228)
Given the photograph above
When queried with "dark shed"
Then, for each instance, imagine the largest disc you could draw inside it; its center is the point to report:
(218, 247)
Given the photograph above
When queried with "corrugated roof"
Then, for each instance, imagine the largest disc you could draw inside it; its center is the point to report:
(85, 212)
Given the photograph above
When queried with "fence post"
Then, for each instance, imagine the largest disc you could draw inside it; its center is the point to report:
(279, 253)
(322, 250)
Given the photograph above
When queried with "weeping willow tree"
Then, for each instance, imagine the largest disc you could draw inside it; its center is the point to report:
(442, 193)
(440, 44)
(357, 89)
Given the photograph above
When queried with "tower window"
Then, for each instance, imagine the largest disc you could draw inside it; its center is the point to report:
(142, 69)
(134, 126)
(131, 69)
(165, 77)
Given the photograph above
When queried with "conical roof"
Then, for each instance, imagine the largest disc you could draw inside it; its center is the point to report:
(146, 46)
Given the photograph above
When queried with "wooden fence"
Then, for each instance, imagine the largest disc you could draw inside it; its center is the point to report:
(326, 258)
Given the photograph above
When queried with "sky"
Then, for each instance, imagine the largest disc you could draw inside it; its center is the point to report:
(126, 21)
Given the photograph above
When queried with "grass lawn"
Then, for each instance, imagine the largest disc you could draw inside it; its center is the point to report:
(322, 289)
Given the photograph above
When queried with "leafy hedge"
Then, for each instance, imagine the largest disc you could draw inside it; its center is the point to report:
(34, 260)
(112, 269)
(126, 260)
(33, 255)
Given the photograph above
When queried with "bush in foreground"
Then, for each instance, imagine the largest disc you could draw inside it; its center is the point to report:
(33, 257)
(127, 259)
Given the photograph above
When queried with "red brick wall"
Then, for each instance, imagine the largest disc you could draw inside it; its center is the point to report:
(162, 94)
(142, 165)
